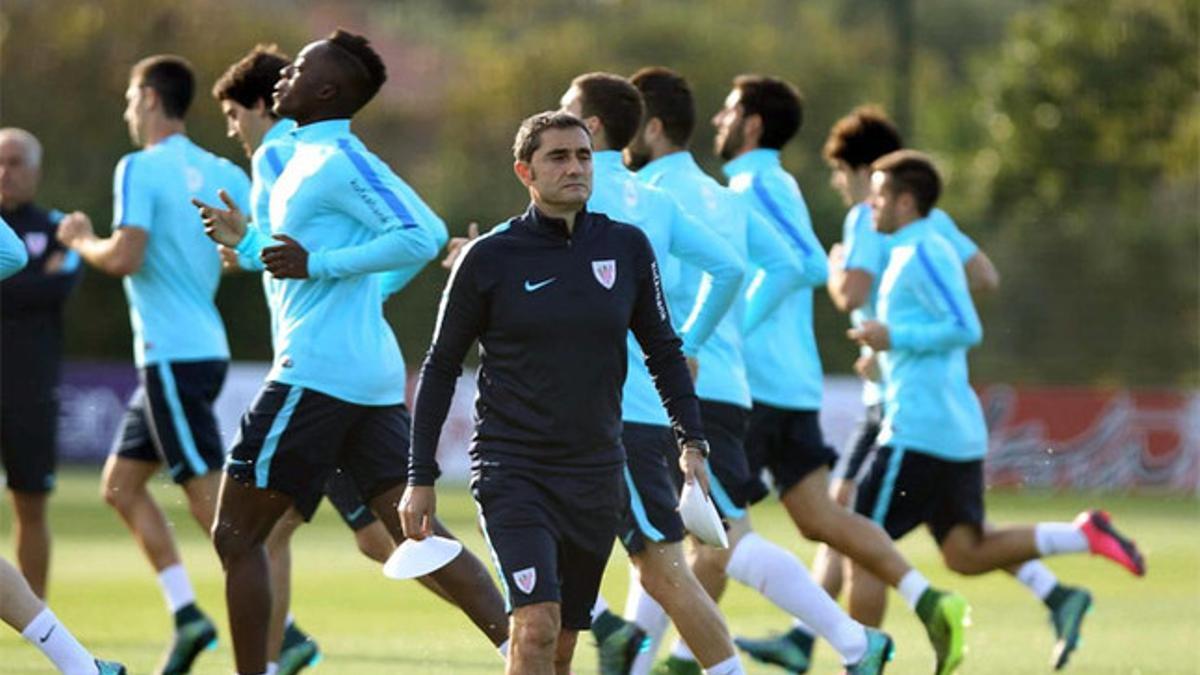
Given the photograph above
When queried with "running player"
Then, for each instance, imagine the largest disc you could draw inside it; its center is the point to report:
(551, 296)
(335, 394)
(245, 94)
(761, 115)
(611, 108)
(660, 153)
(928, 468)
(31, 305)
(855, 141)
(170, 272)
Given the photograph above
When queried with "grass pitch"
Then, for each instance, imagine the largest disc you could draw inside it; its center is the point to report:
(103, 588)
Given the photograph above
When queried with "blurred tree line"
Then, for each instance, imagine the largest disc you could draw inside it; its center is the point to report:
(1068, 132)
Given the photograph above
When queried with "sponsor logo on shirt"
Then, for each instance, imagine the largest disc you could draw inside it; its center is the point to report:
(605, 272)
(525, 579)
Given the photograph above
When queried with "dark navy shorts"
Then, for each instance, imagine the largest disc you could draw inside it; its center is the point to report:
(653, 481)
(343, 495)
(293, 439)
(860, 444)
(170, 418)
(28, 443)
(733, 485)
(550, 533)
(788, 443)
(902, 489)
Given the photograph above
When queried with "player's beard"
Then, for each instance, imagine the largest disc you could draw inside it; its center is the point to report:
(636, 155)
(728, 147)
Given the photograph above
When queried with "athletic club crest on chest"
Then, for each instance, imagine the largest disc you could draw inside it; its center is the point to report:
(605, 272)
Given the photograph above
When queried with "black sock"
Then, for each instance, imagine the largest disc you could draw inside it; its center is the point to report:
(927, 603)
(1057, 596)
(606, 624)
(292, 635)
(187, 614)
(802, 639)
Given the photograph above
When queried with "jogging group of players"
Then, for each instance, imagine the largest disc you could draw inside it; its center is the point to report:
(641, 326)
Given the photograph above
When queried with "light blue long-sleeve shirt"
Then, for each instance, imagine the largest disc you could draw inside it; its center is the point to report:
(266, 165)
(723, 377)
(866, 250)
(172, 295)
(618, 194)
(924, 300)
(781, 356)
(355, 217)
(13, 255)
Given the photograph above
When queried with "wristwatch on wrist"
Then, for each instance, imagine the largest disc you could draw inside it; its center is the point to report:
(695, 445)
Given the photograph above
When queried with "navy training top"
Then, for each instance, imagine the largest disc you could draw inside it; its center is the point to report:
(551, 310)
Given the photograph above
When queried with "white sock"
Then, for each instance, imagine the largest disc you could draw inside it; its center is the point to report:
(730, 666)
(781, 578)
(600, 607)
(681, 651)
(503, 649)
(643, 610)
(1056, 538)
(289, 620)
(272, 668)
(1037, 578)
(176, 587)
(912, 586)
(51, 636)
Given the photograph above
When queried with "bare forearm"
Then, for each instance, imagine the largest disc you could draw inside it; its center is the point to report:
(104, 255)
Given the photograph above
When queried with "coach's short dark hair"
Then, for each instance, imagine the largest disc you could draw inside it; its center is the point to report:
(912, 172)
(615, 101)
(252, 78)
(171, 77)
(862, 137)
(529, 136)
(776, 102)
(364, 60)
(667, 96)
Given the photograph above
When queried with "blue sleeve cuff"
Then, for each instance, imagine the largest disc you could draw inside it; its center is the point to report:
(317, 265)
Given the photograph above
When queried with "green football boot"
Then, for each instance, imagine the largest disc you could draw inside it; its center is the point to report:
(945, 616)
(299, 651)
(109, 668)
(880, 650)
(673, 665)
(194, 633)
(619, 649)
(1069, 607)
(791, 651)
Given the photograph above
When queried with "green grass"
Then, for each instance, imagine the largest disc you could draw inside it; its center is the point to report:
(103, 589)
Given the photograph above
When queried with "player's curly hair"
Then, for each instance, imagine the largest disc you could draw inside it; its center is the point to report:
(253, 77)
(368, 65)
(862, 137)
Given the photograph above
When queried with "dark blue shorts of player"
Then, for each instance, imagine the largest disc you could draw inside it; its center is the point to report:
(170, 418)
(28, 435)
(343, 495)
(733, 485)
(293, 439)
(860, 444)
(904, 488)
(653, 481)
(550, 533)
(788, 443)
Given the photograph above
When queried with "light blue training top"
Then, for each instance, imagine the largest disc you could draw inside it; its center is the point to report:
(929, 405)
(777, 272)
(355, 217)
(781, 356)
(618, 194)
(13, 255)
(866, 250)
(171, 296)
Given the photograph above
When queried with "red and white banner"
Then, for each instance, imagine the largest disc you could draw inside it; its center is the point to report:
(1055, 438)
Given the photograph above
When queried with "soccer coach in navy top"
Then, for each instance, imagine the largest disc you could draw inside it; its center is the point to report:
(550, 295)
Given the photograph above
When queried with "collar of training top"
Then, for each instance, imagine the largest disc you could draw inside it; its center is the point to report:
(323, 130)
(755, 160)
(541, 223)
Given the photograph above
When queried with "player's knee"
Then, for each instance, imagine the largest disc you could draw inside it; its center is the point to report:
(962, 561)
(230, 541)
(121, 498)
(536, 629)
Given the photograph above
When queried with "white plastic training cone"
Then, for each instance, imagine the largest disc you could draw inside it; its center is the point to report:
(700, 516)
(413, 558)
